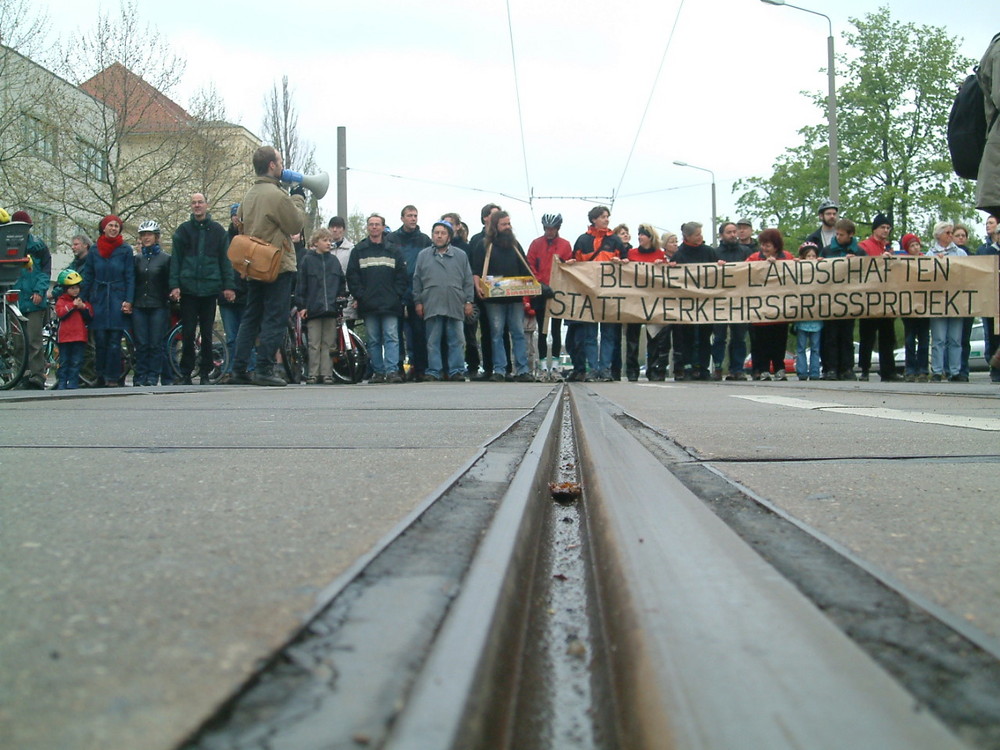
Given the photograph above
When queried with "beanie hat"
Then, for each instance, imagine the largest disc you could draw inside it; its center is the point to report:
(21, 216)
(879, 220)
(109, 218)
(907, 240)
(447, 225)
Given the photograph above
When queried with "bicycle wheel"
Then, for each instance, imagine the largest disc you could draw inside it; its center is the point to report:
(50, 346)
(128, 356)
(220, 353)
(293, 358)
(13, 352)
(349, 363)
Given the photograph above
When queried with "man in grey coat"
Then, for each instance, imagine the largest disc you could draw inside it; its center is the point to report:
(988, 183)
(442, 296)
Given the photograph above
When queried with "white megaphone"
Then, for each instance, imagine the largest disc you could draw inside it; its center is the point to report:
(317, 183)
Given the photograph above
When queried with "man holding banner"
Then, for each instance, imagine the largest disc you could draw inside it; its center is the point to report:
(498, 256)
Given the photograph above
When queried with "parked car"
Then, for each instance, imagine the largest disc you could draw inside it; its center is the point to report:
(789, 363)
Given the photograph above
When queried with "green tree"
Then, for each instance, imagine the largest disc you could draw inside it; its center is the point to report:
(899, 83)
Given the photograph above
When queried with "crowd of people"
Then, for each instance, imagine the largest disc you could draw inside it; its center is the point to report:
(431, 311)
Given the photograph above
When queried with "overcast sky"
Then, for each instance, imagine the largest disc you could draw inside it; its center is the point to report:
(426, 91)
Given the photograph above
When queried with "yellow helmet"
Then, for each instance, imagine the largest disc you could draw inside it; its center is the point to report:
(69, 277)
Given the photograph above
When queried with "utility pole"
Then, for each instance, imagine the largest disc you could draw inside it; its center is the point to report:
(342, 172)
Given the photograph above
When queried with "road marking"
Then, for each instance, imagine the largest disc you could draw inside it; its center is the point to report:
(923, 417)
(656, 385)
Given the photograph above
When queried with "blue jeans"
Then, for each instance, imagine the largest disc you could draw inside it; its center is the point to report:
(149, 328)
(232, 316)
(737, 346)
(383, 342)
(509, 315)
(454, 329)
(946, 334)
(810, 340)
(916, 333)
(70, 361)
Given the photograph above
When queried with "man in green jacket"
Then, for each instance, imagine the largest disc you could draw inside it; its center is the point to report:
(199, 270)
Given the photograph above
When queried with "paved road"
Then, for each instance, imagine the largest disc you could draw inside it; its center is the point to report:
(155, 546)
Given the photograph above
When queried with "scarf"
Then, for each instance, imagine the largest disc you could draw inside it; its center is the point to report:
(598, 235)
(106, 246)
(150, 251)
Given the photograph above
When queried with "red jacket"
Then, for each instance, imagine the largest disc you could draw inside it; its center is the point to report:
(636, 254)
(72, 320)
(540, 255)
(873, 247)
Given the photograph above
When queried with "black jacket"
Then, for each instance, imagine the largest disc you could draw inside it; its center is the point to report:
(701, 254)
(376, 276)
(733, 252)
(320, 282)
(152, 280)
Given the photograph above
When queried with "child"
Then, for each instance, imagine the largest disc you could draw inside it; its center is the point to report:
(74, 314)
(808, 331)
(837, 340)
(320, 282)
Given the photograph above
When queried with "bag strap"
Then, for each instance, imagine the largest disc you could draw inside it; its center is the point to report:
(517, 251)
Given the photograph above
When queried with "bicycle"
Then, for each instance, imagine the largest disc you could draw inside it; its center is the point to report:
(220, 352)
(50, 345)
(13, 341)
(294, 352)
(350, 359)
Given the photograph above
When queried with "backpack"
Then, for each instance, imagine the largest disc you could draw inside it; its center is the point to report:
(967, 128)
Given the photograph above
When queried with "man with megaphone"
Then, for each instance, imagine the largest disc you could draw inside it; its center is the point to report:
(272, 215)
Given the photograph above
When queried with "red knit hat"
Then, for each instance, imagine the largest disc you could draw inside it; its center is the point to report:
(104, 222)
(907, 239)
(21, 216)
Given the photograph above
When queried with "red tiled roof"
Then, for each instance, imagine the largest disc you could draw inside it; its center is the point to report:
(144, 107)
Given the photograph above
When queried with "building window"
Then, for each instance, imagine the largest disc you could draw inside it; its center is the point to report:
(40, 137)
(92, 161)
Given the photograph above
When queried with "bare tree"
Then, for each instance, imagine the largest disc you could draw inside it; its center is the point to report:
(133, 160)
(219, 153)
(281, 130)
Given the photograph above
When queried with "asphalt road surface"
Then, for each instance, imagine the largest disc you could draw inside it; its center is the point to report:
(157, 544)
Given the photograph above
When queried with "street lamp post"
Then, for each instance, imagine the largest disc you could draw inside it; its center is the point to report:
(715, 216)
(831, 102)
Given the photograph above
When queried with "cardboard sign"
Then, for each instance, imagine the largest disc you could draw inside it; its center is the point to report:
(764, 292)
(510, 286)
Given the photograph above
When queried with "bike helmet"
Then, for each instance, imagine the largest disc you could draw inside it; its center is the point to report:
(552, 220)
(826, 205)
(69, 277)
(149, 226)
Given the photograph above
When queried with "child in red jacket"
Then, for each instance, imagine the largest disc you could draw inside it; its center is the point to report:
(74, 315)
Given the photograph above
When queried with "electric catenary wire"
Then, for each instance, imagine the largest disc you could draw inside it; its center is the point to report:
(649, 101)
(441, 184)
(520, 119)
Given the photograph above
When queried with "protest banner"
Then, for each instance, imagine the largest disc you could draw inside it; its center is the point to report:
(761, 292)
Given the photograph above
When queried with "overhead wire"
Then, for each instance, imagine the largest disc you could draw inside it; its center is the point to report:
(649, 101)
(442, 184)
(520, 118)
